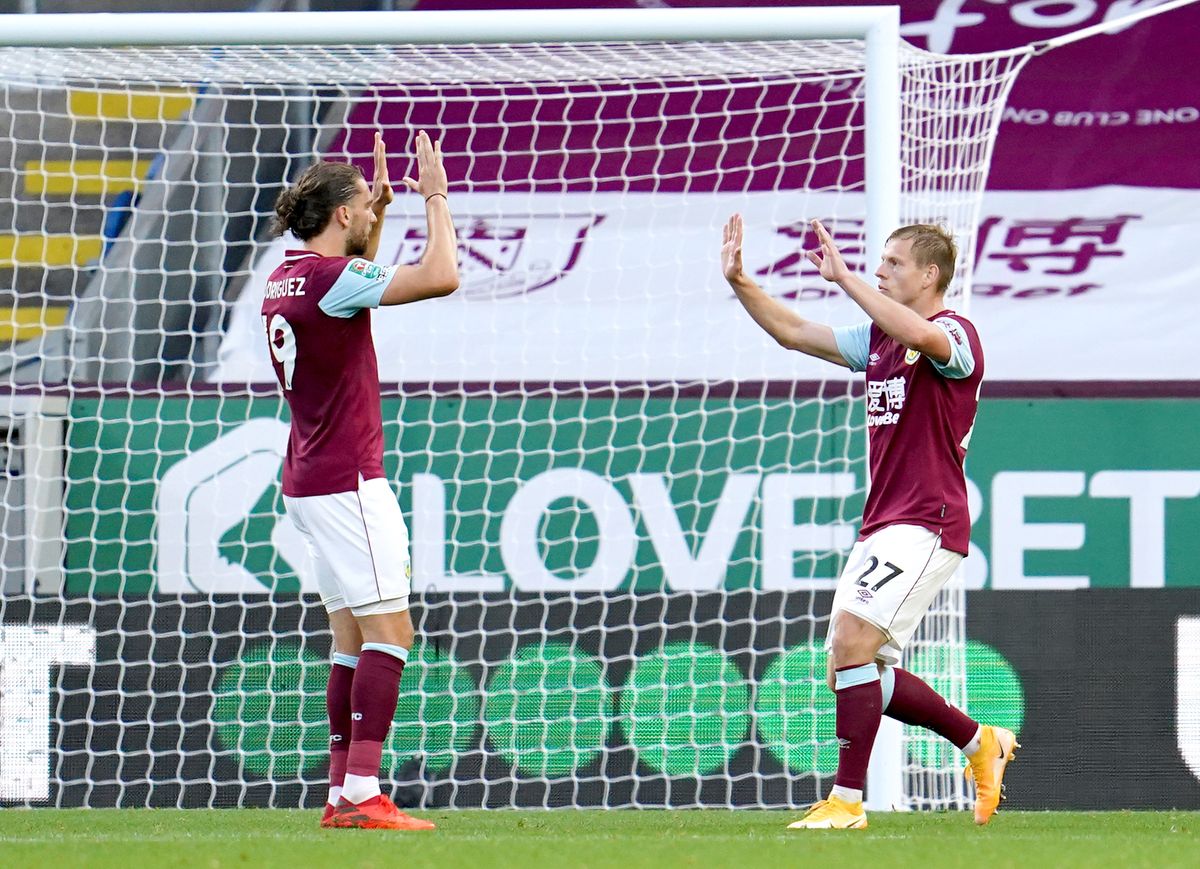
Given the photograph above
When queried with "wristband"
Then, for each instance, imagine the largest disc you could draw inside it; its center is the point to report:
(431, 195)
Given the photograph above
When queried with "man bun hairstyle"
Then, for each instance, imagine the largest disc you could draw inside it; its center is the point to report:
(931, 245)
(305, 209)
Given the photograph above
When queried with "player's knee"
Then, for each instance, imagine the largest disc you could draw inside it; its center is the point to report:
(854, 642)
(406, 630)
(402, 630)
(347, 638)
(844, 652)
(395, 629)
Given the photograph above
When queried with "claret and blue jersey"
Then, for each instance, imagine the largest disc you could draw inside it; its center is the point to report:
(920, 414)
(316, 312)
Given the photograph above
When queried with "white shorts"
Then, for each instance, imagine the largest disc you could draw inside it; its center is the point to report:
(359, 546)
(890, 581)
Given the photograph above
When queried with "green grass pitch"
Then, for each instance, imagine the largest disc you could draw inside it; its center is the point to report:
(627, 839)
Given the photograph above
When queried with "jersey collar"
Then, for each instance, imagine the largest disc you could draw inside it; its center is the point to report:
(298, 254)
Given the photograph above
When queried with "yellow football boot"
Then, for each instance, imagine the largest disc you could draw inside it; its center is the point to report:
(997, 748)
(832, 814)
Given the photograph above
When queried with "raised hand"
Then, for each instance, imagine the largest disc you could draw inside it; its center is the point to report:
(829, 259)
(731, 249)
(431, 174)
(381, 185)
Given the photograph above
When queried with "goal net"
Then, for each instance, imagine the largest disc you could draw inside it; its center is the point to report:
(628, 506)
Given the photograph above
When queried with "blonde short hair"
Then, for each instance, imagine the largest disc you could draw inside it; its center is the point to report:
(931, 245)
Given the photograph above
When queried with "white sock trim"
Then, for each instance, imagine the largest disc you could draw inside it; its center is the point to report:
(847, 795)
(398, 652)
(360, 788)
(975, 744)
(887, 684)
(855, 676)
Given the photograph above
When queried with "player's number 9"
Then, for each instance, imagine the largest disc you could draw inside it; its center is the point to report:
(282, 341)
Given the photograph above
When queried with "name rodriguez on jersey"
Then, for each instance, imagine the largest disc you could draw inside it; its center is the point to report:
(285, 287)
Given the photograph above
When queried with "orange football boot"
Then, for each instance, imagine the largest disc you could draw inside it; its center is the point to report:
(377, 813)
(997, 748)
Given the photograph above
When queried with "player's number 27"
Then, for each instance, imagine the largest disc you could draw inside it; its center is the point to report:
(872, 564)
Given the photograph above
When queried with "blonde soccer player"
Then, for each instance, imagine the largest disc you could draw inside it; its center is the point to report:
(923, 366)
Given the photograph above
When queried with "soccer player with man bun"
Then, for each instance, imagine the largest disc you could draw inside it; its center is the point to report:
(316, 312)
(924, 366)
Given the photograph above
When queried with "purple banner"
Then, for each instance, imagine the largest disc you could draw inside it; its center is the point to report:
(698, 137)
(1112, 109)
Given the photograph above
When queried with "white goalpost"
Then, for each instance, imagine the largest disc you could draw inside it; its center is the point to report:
(627, 507)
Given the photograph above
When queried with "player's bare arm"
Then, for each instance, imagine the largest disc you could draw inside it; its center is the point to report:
(437, 272)
(381, 196)
(777, 320)
(900, 322)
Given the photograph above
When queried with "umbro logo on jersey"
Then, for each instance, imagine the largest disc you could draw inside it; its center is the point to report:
(873, 358)
(864, 595)
(843, 743)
